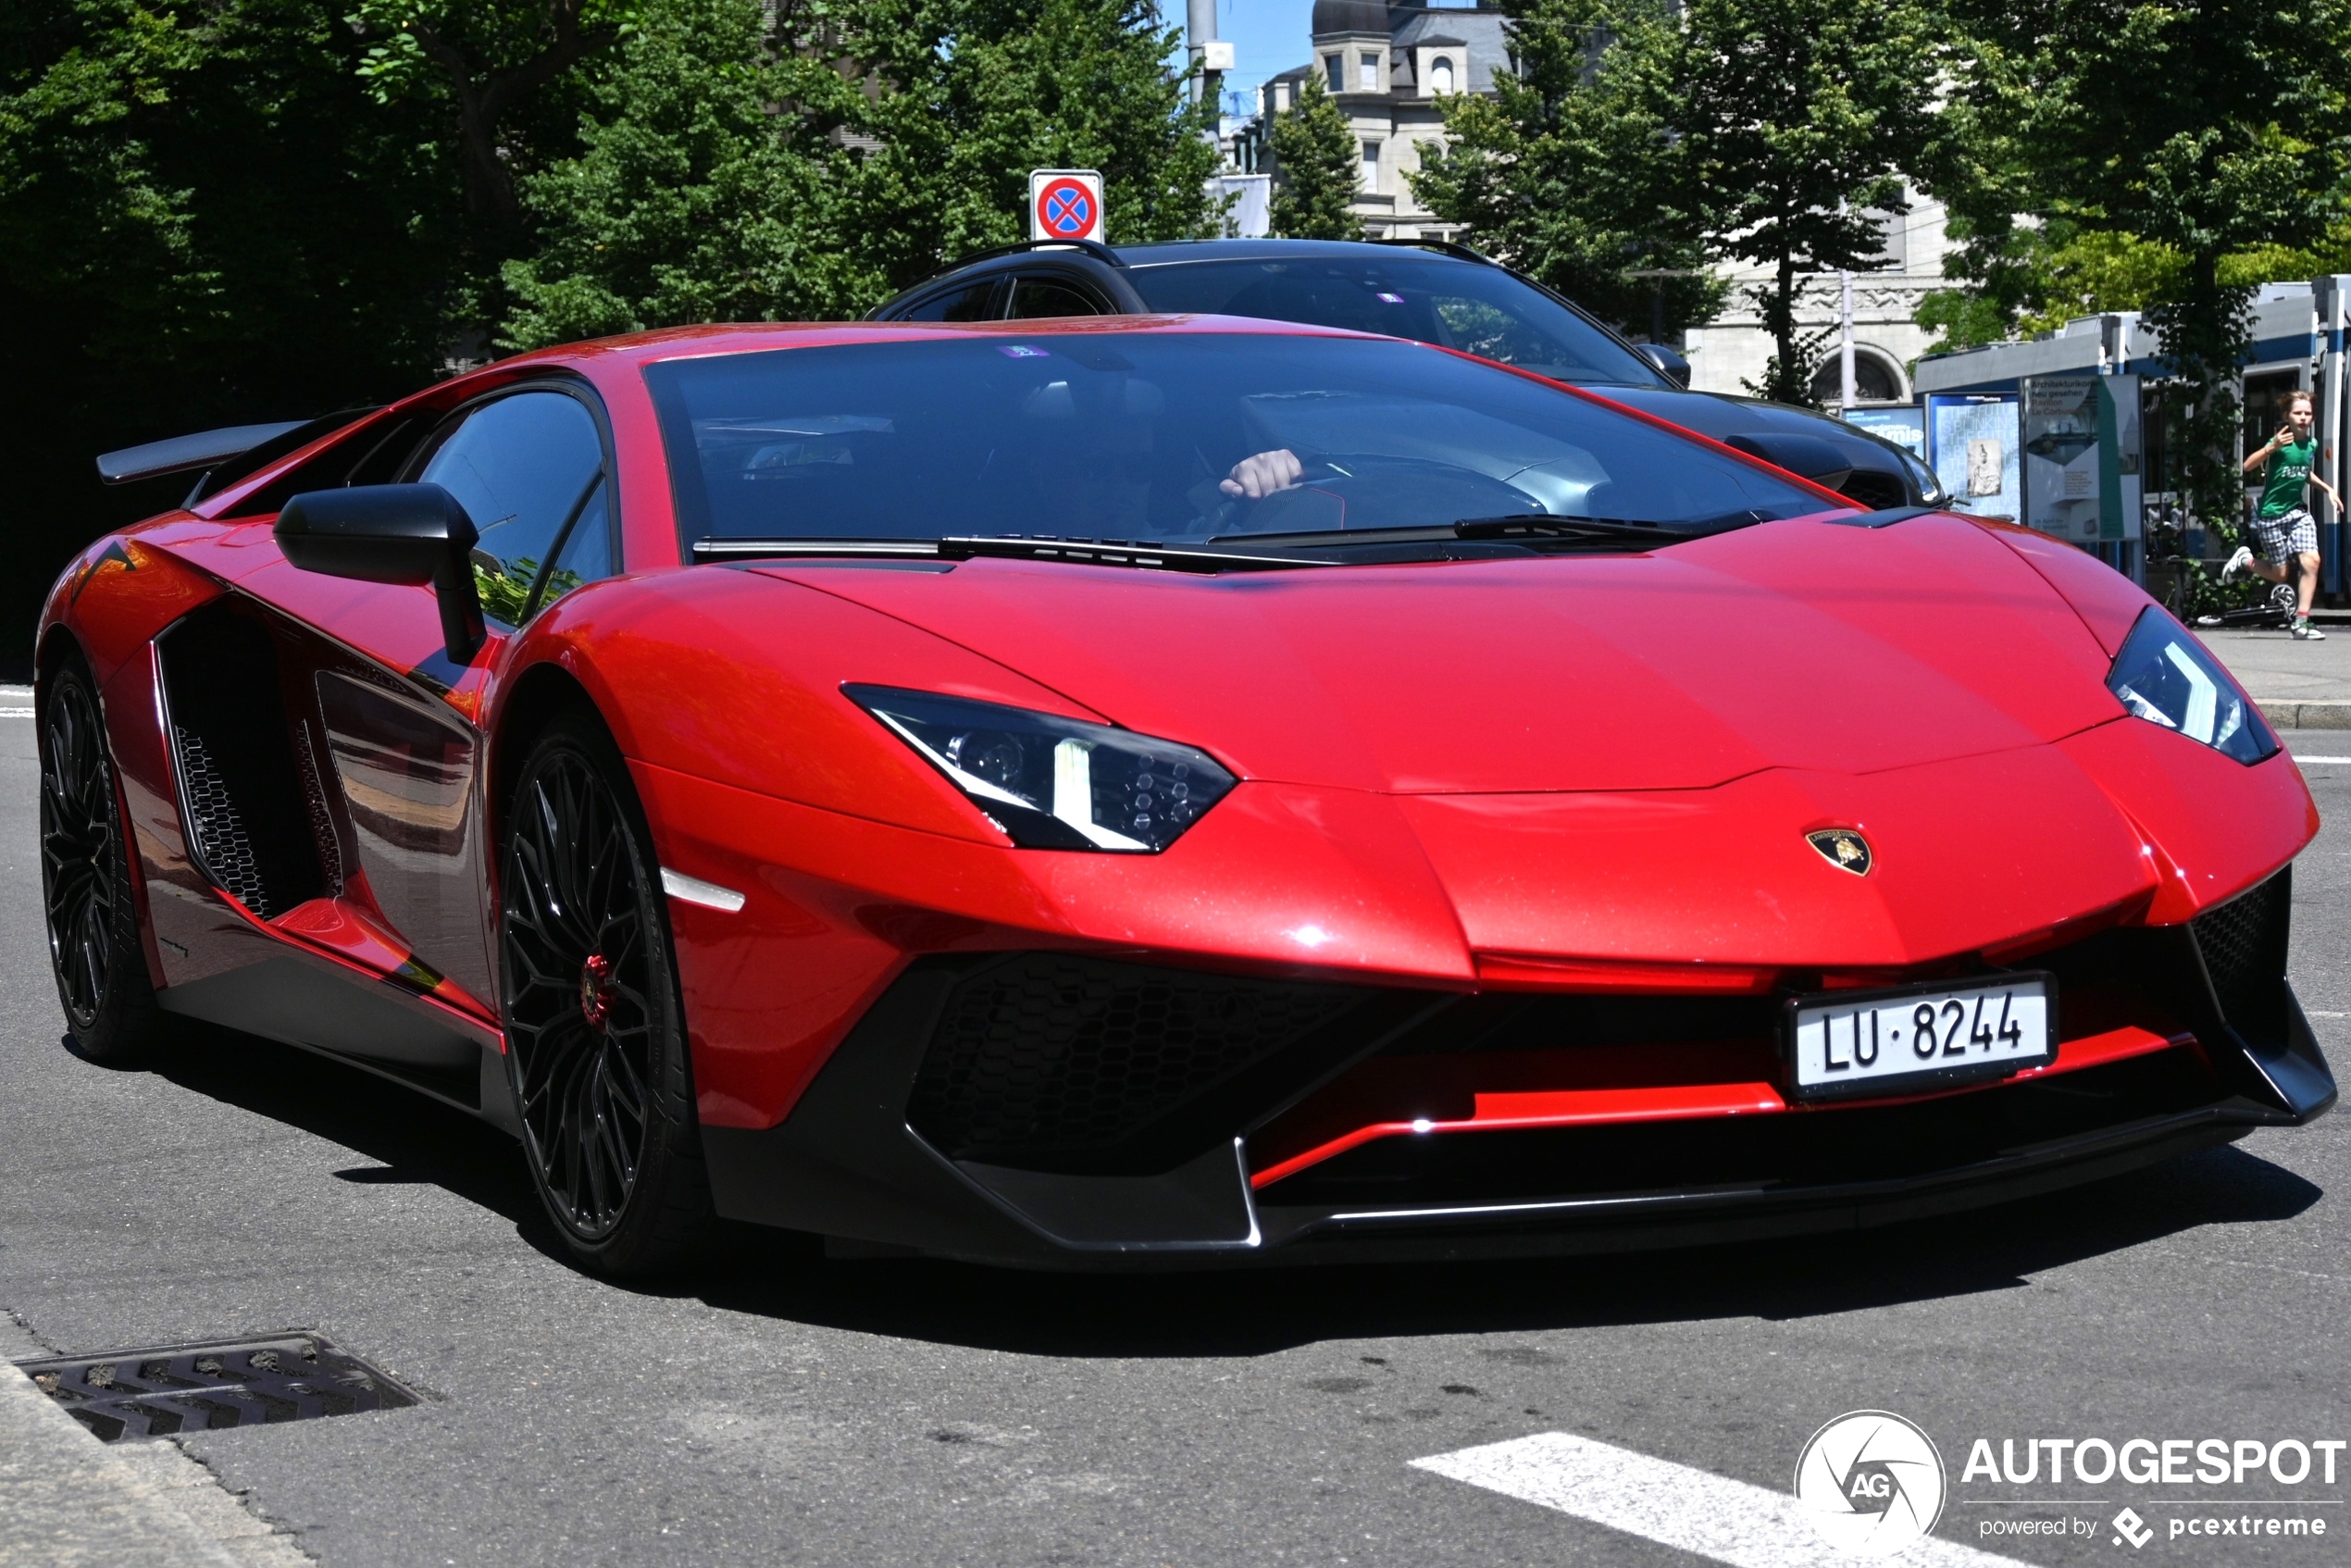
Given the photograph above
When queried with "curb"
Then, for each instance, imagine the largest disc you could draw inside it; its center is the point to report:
(67, 1500)
(2285, 713)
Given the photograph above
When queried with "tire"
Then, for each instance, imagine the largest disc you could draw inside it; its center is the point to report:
(111, 1013)
(595, 1034)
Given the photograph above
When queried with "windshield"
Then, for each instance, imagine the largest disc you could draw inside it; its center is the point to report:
(1480, 310)
(1162, 437)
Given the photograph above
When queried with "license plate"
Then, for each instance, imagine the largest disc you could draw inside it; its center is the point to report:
(1919, 1037)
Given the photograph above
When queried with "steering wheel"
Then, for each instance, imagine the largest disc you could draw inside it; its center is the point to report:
(1350, 490)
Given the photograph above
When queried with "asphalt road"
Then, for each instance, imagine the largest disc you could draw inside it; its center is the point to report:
(785, 1410)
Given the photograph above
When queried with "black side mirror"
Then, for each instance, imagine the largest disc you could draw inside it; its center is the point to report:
(404, 533)
(1667, 363)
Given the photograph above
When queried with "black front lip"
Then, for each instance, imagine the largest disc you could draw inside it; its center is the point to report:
(845, 1165)
(1641, 1221)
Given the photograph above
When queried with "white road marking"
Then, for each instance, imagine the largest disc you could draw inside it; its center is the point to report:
(15, 713)
(1672, 1504)
(2297, 756)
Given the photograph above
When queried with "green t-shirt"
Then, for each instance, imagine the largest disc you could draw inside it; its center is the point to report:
(2288, 475)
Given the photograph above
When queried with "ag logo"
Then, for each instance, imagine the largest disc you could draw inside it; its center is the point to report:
(1870, 1483)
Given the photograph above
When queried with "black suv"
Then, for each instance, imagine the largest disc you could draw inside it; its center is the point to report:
(1434, 292)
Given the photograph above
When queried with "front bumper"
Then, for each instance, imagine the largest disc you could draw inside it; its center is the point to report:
(1062, 1111)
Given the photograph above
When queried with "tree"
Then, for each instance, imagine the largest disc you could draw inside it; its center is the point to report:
(1567, 174)
(204, 220)
(963, 97)
(693, 198)
(1316, 174)
(488, 57)
(1797, 121)
(2208, 130)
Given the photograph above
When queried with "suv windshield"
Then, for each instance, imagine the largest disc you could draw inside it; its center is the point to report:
(1480, 310)
(1162, 436)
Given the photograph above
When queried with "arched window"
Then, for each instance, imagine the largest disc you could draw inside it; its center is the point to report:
(1875, 380)
(1440, 76)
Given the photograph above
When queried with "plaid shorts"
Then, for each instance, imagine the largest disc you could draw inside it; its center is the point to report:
(2285, 535)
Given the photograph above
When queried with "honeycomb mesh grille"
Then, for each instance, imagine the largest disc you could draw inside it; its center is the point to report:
(2244, 944)
(322, 821)
(221, 842)
(1048, 1054)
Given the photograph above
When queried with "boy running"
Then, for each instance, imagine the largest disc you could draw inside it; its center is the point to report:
(2283, 526)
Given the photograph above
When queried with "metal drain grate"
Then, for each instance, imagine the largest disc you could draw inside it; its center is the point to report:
(151, 1393)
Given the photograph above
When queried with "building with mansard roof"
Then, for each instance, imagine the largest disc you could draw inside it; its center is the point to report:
(1389, 67)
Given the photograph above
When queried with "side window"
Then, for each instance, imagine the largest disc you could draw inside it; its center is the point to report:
(1036, 297)
(966, 304)
(527, 468)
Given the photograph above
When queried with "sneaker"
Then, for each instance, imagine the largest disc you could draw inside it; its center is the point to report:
(2241, 561)
(2306, 631)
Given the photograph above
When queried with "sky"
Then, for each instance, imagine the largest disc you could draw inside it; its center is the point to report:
(1268, 37)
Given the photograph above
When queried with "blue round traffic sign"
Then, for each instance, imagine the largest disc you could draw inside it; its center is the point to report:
(1066, 209)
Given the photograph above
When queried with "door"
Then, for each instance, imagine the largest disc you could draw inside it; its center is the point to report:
(531, 469)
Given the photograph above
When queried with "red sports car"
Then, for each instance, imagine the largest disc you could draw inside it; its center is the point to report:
(1160, 792)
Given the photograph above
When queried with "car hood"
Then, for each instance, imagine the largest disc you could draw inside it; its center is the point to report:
(1725, 418)
(1796, 644)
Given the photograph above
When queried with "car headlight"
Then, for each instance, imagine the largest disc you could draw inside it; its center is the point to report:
(1054, 783)
(2165, 676)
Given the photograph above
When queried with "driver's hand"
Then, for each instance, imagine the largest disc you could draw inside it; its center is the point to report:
(1259, 476)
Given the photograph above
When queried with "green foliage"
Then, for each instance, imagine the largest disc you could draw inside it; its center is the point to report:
(1636, 137)
(1960, 319)
(1570, 172)
(1316, 175)
(2210, 132)
(690, 200)
(968, 95)
(484, 60)
(1797, 119)
(505, 594)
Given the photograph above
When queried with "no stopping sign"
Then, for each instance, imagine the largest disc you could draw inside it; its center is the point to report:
(1064, 203)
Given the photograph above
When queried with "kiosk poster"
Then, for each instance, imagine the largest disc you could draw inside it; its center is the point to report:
(2081, 456)
(2120, 497)
(1906, 428)
(1972, 445)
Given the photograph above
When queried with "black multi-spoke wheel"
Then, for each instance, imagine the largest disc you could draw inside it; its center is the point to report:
(85, 878)
(595, 1050)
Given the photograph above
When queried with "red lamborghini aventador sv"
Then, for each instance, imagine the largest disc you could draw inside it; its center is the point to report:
(1160, 792)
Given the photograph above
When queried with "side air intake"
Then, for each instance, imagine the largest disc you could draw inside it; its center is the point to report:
(2243, 944)
(250, 827)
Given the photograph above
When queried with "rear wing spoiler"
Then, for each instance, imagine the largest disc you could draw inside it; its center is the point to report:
(227, 454)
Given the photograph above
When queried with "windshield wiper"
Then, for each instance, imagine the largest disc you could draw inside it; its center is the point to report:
(1143, 554)
(1123, 553)
(1547, 524)
(1528, 528)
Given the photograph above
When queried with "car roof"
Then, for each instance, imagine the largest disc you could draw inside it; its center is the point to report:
(1171, 252)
